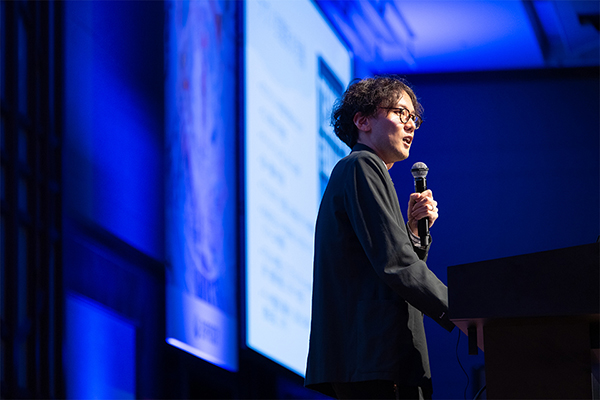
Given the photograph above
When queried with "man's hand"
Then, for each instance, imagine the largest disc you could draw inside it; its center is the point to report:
(421, 205)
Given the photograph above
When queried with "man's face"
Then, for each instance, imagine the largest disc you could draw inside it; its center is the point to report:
(389, 137)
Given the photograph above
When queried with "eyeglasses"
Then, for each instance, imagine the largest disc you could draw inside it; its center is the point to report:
(405, 115)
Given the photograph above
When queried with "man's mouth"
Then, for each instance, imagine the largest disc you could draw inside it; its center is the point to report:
(407, 140)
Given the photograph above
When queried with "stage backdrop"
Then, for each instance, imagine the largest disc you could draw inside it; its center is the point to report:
(295, 68)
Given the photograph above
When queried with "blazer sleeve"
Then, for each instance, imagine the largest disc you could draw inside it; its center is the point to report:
(374, 213)
(421, 252)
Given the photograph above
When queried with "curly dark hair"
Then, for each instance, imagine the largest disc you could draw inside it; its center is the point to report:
(365, 96)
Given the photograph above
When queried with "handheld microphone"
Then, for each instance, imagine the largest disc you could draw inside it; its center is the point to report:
(419, 172)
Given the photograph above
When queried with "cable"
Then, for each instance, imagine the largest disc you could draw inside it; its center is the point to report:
(465, 372)
(479, 393)
(461, 367)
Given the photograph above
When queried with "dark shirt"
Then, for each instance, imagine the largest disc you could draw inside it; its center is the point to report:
(371, 286)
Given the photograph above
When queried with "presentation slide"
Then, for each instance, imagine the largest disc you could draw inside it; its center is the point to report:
(295, 69)
(201, 235)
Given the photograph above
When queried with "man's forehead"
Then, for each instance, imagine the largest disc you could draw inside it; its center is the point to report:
(405, 101)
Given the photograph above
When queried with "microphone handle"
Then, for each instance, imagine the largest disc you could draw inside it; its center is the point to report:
(423, 223)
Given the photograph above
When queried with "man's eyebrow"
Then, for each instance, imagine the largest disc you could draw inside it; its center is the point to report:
(401, 107)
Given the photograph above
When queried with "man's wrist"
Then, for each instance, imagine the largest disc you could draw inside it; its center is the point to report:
(416, 241)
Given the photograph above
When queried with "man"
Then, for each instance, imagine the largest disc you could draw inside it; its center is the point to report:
(371, 285)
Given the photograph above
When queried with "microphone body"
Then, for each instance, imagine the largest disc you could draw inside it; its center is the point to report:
(419, 171)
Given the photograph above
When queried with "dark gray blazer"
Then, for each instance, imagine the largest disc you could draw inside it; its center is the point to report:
(371, 286)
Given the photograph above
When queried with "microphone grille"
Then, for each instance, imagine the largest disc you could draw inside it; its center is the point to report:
(419, 170)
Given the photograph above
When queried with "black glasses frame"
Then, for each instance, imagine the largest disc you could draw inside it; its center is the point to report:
(405, 115)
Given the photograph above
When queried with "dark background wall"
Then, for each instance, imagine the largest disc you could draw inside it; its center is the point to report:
(113, 181)
(513, 158)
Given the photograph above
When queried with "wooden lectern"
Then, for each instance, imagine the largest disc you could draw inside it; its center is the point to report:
(536, 318)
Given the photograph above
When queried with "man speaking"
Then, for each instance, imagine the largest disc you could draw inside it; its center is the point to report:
(371, 285)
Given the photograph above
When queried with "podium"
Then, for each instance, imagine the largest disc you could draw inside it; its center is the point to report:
(536, 317)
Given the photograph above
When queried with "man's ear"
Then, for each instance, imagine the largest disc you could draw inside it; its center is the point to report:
(362, 122)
